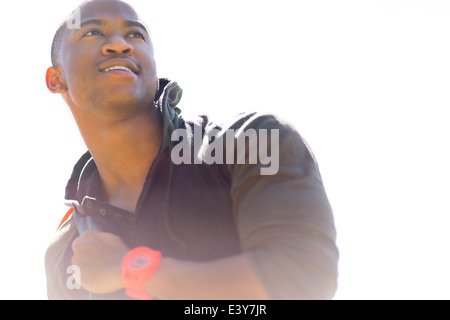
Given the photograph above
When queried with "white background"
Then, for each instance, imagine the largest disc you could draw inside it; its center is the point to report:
(366, 83)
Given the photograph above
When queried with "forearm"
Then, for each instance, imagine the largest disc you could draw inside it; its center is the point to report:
(228, 278)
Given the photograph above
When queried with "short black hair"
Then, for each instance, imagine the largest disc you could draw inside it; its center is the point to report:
(57, 38)
(56, 44)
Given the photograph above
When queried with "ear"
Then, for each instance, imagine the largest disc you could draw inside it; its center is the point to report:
(54, 81)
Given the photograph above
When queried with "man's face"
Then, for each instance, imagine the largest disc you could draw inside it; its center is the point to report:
(107, 65)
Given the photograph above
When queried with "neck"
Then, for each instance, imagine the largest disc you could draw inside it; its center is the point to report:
(123, 152)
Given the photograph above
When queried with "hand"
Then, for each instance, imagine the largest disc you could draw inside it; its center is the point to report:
(99, 256)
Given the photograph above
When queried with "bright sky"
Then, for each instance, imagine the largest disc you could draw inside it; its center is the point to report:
(366, 82)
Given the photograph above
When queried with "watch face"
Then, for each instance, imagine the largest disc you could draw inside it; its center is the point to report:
(139, 261)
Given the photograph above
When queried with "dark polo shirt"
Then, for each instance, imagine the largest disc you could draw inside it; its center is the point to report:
(203, 211)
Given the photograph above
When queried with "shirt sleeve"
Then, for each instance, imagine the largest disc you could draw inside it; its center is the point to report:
(284, 220)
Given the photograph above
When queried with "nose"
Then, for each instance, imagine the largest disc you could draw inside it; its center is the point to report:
(117, 45)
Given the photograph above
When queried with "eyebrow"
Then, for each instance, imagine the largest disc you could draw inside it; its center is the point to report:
(92, 21)
(127, 23)
(135, 23)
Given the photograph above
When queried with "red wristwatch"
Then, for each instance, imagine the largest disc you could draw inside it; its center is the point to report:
(138, 265)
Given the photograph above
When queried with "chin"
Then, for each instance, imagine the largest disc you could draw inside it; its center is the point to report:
(123, 105)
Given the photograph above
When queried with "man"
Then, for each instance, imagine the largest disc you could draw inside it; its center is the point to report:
(208, 229)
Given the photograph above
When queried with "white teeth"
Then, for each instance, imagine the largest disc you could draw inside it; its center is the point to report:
(117, 68)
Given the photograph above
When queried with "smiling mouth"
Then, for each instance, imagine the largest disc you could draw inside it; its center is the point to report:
(113, 68)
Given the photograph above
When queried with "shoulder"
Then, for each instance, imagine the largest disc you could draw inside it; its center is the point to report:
(247, 124)
(240, 123)
(251, 140)
(254, 120)
(268, 127)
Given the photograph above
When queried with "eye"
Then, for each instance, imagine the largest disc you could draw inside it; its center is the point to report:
(93, 33)
(137, 35)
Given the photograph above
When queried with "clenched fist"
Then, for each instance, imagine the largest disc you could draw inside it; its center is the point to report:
(99, 256)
